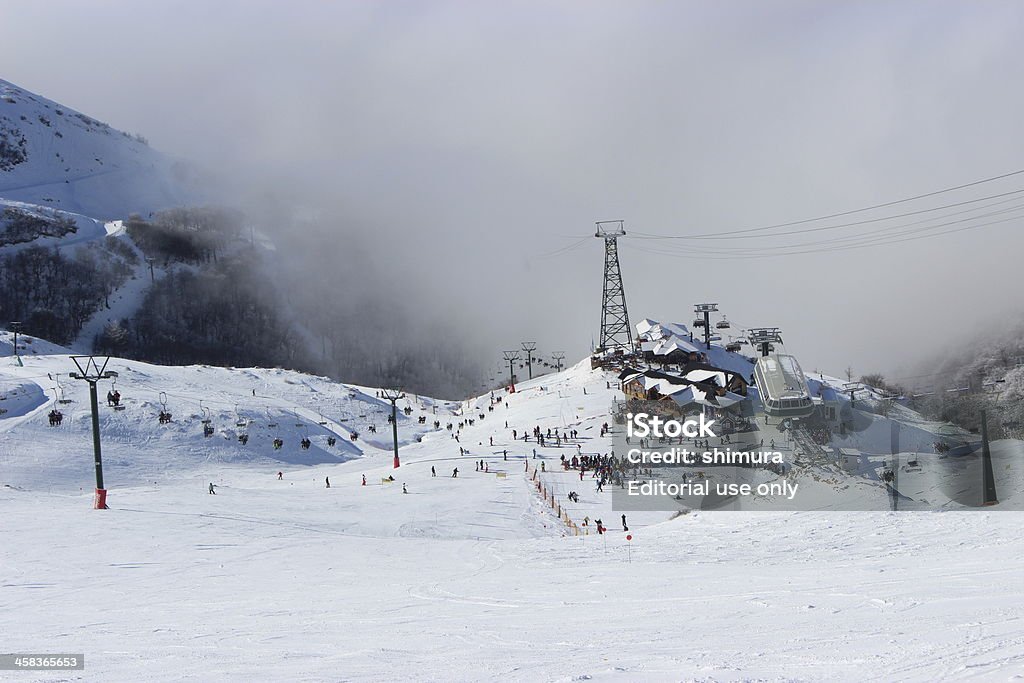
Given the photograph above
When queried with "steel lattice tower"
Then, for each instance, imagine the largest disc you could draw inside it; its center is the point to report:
(615, 330)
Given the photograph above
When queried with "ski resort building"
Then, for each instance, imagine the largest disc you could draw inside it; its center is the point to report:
(696, 383)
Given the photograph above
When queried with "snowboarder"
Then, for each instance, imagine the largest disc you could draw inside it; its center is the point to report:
(212, 492)
(280, 476)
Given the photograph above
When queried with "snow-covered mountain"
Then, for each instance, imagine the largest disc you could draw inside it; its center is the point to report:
(56, 157)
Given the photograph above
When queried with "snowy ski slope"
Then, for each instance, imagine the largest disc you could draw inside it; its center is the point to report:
(461, 579)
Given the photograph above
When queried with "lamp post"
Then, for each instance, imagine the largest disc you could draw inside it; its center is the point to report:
(92, 372)
(394, 395)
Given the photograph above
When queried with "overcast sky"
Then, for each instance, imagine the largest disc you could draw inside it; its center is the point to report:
(462, 142)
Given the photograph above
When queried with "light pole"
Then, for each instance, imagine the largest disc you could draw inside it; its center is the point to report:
(511, 357)
(529, 347)
(394, 395)
(92, 372)
(152, 277)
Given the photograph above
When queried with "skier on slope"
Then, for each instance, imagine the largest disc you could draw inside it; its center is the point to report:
(364, 480)
(328, 480)
(280, 476)
(433, 472)
(624, 527)
(455, 473)
(212, 492)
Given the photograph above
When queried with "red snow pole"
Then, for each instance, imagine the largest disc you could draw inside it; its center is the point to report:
(101, 500)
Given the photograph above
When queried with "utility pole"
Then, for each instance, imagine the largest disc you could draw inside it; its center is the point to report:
(16, 326)
(511, 357)
(529, 347)
(615, 330)
(90, 371)
(558, 357)
(394, 395)
(152, 277)
(707, 310)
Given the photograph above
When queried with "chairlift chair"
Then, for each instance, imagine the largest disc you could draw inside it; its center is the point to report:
(113, 388)
(207, 421)
(723, 324)
(699, 322)
(164, 416)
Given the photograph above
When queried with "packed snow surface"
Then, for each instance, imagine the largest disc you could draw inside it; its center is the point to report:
(467, 578)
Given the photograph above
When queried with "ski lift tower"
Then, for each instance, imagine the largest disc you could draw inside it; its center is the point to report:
(615, 330)
(511, 357)
(529, 348)
(762, 338)
(16, 326)
(394, 394)
(558, 358)
(706, 310)
(92, 372)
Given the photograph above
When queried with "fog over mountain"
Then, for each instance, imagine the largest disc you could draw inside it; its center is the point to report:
(439, 165)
